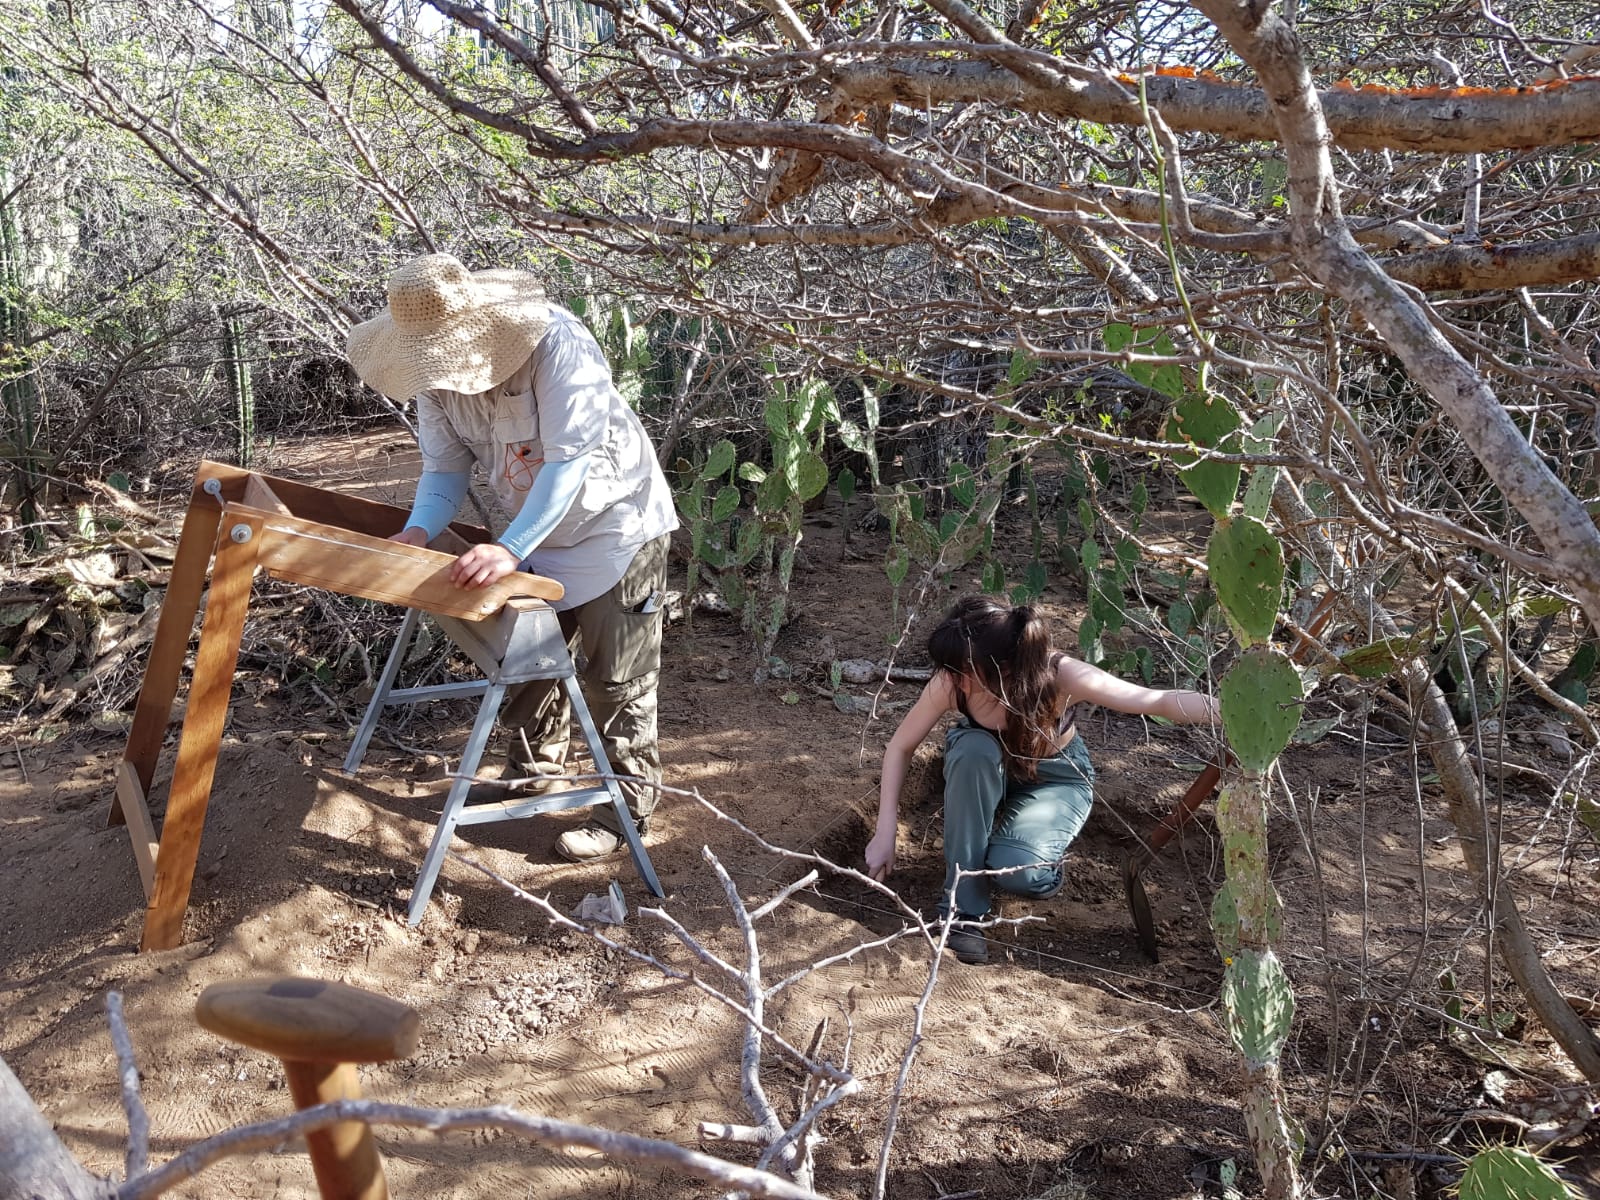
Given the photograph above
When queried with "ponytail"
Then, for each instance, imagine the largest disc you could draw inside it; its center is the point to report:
(1009, 650)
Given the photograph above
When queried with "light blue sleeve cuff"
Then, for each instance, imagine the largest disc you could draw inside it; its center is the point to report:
(554, 489)
(439, 497)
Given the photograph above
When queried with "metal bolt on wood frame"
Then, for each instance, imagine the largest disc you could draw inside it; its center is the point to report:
(240, 521)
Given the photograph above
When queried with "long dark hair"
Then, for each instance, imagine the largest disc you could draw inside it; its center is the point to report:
(1009, 650)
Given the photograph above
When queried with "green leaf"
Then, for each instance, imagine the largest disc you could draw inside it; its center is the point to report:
(1379, 659)
(1086, 516)
(994, 577)
(119, 481)
(1168, 380)
(1180, 617)
(720, 460)
(752, 472)
(948, 524)
(1089, 638)
(1246, 566)
(1257, 500)
(1117, 336)
(1105, 606)
(811, 476)
(896, 564)
(773, 493)
(803, 409)
(1023, 367)
(725, 504)
(852, 437)
(1584, 660)
(1037, 577)
(963, 489)
(746, 545)
(1089, 554)
(846, 483)
(1575, 690)
(1139, 500)
(779, 417)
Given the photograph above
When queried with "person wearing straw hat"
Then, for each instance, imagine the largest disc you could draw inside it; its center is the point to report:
(507, 380)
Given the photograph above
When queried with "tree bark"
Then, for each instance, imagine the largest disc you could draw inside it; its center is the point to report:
(1432, 120)
(1326, 251)
(34, 1165)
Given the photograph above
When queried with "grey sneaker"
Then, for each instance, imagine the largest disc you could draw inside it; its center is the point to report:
(588, 844)
(968, 944)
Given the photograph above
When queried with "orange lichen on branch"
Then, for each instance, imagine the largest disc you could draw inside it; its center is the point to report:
(1431, 92)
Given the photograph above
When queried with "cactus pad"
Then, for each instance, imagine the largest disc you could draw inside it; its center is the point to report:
(1261, 696)
(1510, 1173)
(1259, 1004)
(1207, 421)
(1225, 922)
(1246, 565)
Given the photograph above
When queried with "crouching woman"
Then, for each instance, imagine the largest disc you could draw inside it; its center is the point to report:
(1018, 785)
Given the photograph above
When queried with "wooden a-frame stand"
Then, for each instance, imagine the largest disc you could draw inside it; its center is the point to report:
(294, 532)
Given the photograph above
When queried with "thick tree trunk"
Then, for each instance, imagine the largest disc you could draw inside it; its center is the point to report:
(34, 1165)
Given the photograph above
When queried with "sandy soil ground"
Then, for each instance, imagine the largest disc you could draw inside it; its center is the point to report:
(1069, 1063)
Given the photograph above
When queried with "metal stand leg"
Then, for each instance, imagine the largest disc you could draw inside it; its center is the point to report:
(391, 669)
(477, 741)
(602, 766)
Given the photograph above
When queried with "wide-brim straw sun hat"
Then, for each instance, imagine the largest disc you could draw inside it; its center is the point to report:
(450, 328)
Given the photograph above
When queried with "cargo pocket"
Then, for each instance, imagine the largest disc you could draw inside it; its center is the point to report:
(633, 617)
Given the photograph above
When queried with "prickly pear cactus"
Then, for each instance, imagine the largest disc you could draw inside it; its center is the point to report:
(1260, 710)
(1259, 1004)
(1261, 706)
(1510, 1173)
(1246, 566)
(1225, 920)
(1208, 421)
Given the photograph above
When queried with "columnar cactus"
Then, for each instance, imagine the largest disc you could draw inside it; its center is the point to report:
(19, 389)
(236, 372)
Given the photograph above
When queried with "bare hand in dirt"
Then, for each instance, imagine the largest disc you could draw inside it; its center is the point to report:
(880, 856)
(483, 565)
(411, 535)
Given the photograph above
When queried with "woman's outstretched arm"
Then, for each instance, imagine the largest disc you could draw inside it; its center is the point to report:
(1089, 684)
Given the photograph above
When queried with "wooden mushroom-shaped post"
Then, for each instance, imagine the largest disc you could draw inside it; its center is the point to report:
(320, 1031)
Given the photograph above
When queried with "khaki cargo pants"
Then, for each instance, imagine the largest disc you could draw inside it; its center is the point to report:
(622, 643)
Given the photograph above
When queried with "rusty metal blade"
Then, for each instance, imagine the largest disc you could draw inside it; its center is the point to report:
(1144, 921)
